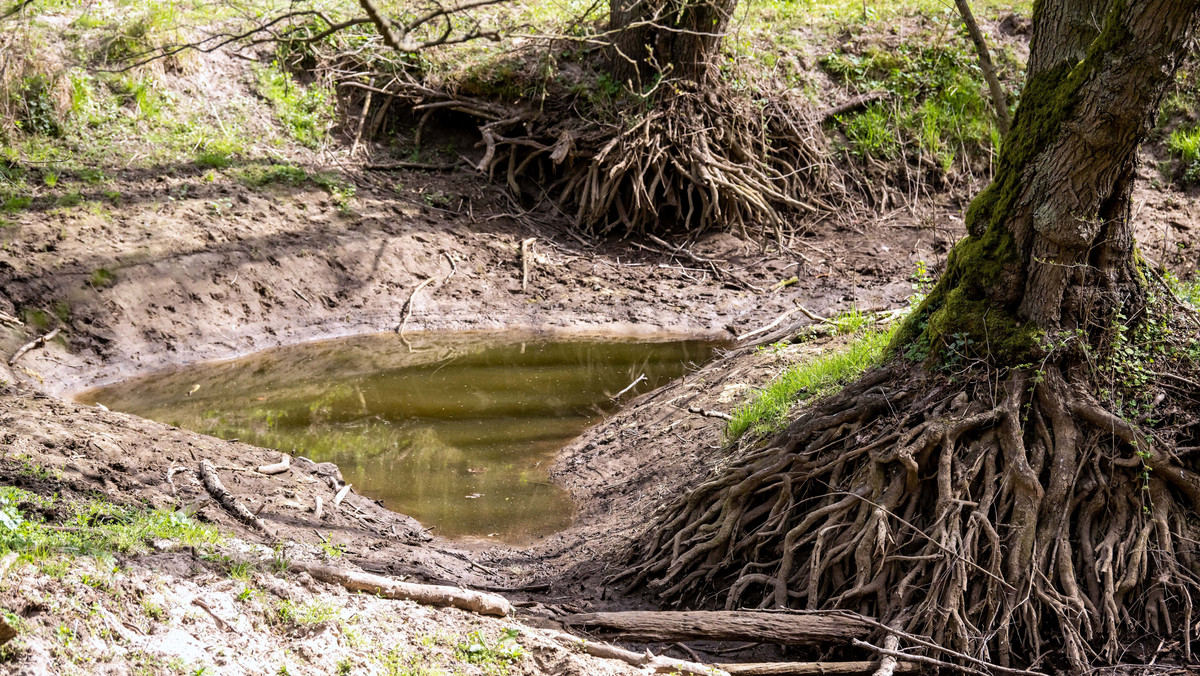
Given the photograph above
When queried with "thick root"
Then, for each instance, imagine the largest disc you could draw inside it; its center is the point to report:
(686, 162)
(1001, 522)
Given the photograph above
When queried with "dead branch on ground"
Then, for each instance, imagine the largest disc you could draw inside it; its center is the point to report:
(433, 595)
(33, 345)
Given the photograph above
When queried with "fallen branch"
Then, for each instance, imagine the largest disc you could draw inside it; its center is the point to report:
(646, 660)
(432, 595)
(319, 508)
(725, 625)
(424, 166)
(9, 319)
(768, 327)
(212, 483)
(277, 468)
(630, 386)
(864, 668)
(526, 246)
(408, 304)
(853, 104)
(33, 345)
(887, 666)
(918, 658)
(709, 414)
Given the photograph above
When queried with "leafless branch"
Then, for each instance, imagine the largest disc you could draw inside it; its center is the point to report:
(999, 101)
(396, 34)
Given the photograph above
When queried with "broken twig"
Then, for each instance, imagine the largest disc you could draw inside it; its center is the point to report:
(630, 387)
(33, 345)
(709, 414)
(277, 468)
(212, 483)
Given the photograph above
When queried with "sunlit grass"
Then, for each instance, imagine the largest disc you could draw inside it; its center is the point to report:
(767, 410)
(92, 528)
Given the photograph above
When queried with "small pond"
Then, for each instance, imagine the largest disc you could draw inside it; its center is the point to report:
(458, 432)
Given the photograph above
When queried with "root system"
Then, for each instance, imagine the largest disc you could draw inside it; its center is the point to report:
(1004, 519)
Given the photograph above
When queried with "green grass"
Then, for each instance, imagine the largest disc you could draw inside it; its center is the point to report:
(1184, 144)
(260, 175)
(492, 656)
(310, 612)
(102, 278)
(88, 528)
(767, 410)
(304, 112)
(937, 107)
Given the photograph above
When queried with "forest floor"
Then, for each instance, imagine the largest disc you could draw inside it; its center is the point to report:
(166, 265)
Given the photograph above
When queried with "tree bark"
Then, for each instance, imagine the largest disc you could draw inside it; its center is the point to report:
(676, 39)
(1050, 243)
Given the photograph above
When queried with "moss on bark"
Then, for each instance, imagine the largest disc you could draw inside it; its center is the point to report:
(978, 296)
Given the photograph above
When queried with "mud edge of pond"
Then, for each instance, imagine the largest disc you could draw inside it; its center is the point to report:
(70, 380)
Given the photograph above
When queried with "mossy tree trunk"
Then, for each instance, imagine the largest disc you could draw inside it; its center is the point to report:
(1010, 512)
(1050, 244)
(676, 39)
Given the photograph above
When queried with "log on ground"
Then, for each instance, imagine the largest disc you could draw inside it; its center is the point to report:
(427, 594)
(861, 668)
(730, 625)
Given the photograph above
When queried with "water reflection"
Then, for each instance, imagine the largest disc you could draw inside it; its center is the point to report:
(458, 433)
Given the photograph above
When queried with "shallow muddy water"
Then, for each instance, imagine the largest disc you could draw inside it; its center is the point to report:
(458, 433)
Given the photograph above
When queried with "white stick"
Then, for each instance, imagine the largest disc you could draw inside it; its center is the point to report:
(341, 495)
(277, 468)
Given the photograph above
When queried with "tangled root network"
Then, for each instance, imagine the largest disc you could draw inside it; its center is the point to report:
(1005, 520)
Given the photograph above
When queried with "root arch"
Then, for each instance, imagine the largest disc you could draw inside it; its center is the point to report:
(1001, 522)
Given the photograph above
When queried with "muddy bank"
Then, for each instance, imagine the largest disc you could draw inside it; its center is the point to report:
(167, 280)
(183, 282)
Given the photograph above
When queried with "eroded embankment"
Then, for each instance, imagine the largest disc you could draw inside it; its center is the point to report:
(166, 280)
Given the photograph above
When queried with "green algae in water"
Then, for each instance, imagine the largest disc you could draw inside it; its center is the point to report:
(459, 433)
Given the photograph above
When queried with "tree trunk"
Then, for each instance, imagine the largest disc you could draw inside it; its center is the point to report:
(1050, 243)
(676, 39)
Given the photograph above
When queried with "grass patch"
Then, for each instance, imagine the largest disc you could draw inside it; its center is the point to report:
(310, 612)
(102, 278)
(767, 410)
(938, 105)
(304, 112)
(261, 175)
(92, 528)
(1184, 145)
(492, 656)
(340, 191)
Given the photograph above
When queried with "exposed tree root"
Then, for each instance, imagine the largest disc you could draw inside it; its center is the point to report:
(1003, 520)
(686, 160)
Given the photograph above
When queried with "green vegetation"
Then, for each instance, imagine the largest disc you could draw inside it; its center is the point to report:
(492, 656)
(341, 191)
(1184, 144)
(260, 175)
(93, 528)
(937, 105)
(305, 112)
(767, 410)
(314, 611)
(102, 278)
